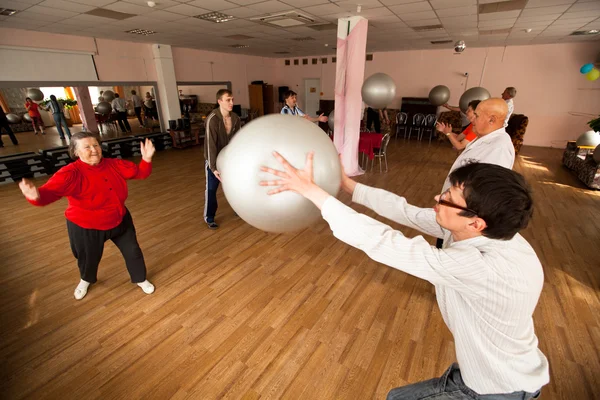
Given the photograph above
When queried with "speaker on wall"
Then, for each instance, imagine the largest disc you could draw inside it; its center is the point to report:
(282, 90)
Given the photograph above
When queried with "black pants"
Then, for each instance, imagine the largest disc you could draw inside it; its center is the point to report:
(88, 244)
(374, 120)
(5, 126)
(210, 195)
(123, 123)
(138, 114)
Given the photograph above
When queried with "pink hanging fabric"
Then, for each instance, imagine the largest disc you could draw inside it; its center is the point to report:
(350, 71)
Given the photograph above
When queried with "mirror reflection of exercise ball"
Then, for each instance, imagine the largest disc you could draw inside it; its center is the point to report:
(26, 117)
(252, 147)
(104, 107)
(378, 90)
(331, 120)
(35, 94)
(439, 95)
(108, 95)
(589, 138)
(13, 118)
(475, 93)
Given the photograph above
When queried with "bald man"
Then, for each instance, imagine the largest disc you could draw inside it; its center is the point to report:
(492, 145)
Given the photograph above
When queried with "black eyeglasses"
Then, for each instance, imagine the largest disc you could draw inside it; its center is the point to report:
(446, 203)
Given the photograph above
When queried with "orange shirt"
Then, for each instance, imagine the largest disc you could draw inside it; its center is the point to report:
(469, 134)
(33, 110)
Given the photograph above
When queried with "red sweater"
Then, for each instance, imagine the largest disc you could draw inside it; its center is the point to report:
(96, 193)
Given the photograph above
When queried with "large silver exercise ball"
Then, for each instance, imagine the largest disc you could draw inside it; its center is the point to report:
(252, 147)
(331, 120)
(475, 93)
(27, 117)
(108, 95)
(439, 95)
(589, 138)
(13, 118)
(35, 94)
(104, 107)
(378, 91)
(597, 154)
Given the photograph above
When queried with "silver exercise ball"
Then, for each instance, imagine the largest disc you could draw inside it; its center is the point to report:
(27, 117)
(331, 120)
(597, 154)
(475, 93)
(13, 118)
(239, 165)
(131, 112)
(378, 91)
(589, 138)
(460, 46)
(439, 95)
(35, 94)
(104, 107)
(108, 95)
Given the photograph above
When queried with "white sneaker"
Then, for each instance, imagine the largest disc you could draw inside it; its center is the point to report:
(81, 290)
(147, 287)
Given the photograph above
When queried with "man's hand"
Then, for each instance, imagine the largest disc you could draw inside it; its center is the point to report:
(218, 175)
(323, 118)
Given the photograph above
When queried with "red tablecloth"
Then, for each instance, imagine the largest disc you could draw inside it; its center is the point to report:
(368, 142)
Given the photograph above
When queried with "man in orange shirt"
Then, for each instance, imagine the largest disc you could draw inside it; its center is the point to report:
(469, 133)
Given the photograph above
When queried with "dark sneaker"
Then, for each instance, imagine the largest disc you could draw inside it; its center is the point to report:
(212, 225)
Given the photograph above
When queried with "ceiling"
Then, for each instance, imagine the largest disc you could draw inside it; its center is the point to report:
(392, 23)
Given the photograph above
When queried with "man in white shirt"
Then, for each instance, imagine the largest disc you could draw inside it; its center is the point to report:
(137, 106)
(120, 106)
(291, 108)
(488, 279)
(508, 95)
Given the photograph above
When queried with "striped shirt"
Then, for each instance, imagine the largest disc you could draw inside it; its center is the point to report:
(292, 111)
(487, 289)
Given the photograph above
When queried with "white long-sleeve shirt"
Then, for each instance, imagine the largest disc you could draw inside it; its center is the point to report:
(486, 289)
(511, 108)
(494, 148)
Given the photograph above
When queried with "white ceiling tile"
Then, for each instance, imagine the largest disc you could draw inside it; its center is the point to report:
(417, 16)
(37, 17)
(581, 14)
(128, 8)
(375, 12)
(589, 6)
(164, 15)
(532, 18)
(423, 22)
(212, 5)
(459, 21)
(271, 6)
(184, 9)
(390, 19)
(547, 3)
(534, 24)
(67, 5)
(96, 3)
(544, 10)
(14, 6)
(411, 8)
(324, 9)
(23, 23)
(245, 2)
(51, 11)
(160, 5)
(242, 12)
(457, 11)
(443, 4)
(26, 2)
(593, 25)
(302, 3)
(499, 15)
(573, 21)
(491, 1)
(350, 5)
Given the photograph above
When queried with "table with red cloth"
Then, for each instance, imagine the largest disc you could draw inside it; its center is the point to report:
(368, 142)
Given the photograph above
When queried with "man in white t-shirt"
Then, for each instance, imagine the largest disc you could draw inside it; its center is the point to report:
(291, 108)
(137, 106)
(508, 95)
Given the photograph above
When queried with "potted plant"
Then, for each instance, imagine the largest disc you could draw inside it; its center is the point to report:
(595, 124)
(68, 104)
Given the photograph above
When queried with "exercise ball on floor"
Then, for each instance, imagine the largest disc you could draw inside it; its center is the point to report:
(108, 95)
(27, 117)
(475, 93)
(131, 112)
(331, 120)
(589, 138)
(13, 118)
(35, 94)
(378, 90)
(252, 147)
(104, 107)
(439, 95)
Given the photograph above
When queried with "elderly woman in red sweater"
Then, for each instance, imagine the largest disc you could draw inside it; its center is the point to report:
(96, 188)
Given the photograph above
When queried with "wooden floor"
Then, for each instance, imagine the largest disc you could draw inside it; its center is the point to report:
(242, 314)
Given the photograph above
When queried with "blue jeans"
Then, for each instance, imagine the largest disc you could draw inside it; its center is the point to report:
(450, 387)
(210, 196)
(60, 121)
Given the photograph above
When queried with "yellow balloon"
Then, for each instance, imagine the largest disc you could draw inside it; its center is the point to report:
(592, 75)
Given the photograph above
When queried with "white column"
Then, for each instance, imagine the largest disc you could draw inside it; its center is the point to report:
(167, 83)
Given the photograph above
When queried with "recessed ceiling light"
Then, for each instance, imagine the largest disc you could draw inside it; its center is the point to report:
(593, 31)
(144, 32)
(216, 17)
(590, 32)
(7, 11)
(240, 46)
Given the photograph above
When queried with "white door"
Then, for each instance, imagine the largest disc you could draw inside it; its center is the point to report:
(312, 94)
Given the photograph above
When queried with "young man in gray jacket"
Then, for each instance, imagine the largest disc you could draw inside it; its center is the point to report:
(221, 125)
